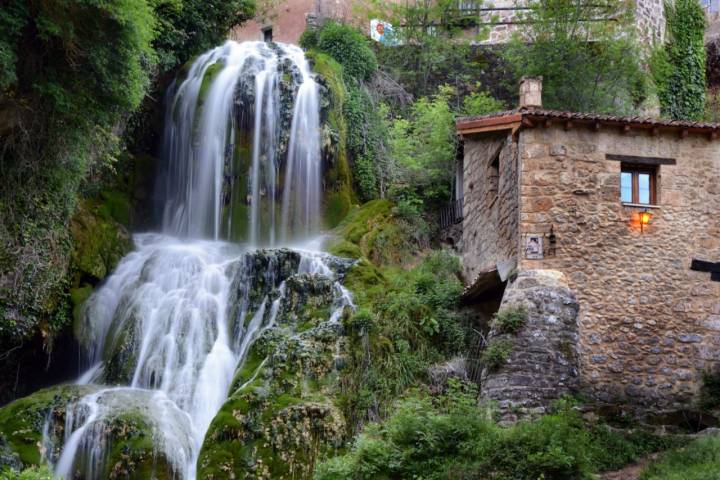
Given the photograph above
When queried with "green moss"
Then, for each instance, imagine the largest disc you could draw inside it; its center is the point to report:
(78, 296)
(100, 242)
(116, 206)
(21, 422)
(339, 195)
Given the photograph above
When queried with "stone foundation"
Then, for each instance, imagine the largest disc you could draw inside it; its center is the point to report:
(542, 365)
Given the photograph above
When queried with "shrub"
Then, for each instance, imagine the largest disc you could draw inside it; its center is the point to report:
(449, 437)
(509, 319)
(348, 46)
(496, 354)
(32, 473)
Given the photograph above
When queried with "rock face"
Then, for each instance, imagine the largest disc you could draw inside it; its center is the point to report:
(542, 363)
(281, 417)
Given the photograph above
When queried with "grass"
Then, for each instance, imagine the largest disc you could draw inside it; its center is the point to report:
(699, 460)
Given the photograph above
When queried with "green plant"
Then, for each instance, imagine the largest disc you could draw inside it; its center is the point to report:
(32, 473)
(346, 45)
(698, 460)
(496, 354)
(679, 71)
(586, 66)
(449, 437)
(510, 319)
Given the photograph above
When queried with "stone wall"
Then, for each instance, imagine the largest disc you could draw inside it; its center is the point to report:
(542, 365)
(490, 205)
(649, 325)
(649, 19)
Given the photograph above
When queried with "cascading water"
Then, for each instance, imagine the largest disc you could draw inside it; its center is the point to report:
(229, 162)
(169, 327)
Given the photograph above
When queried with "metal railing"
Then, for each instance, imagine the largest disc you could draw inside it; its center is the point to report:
(451, 214)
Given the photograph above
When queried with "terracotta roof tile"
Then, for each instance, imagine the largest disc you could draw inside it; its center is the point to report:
(532, 112)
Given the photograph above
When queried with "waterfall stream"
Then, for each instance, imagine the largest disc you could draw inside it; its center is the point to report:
(166, 331)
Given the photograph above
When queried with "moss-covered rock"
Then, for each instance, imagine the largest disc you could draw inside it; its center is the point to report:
(281, 417)
(22, 422)
(339, 194)
(99, 240)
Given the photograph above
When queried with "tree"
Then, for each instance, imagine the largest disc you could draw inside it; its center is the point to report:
(586, 53)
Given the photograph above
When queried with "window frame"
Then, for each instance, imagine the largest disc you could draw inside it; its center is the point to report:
(636, 171)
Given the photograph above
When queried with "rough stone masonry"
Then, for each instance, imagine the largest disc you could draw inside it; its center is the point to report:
(542, 190)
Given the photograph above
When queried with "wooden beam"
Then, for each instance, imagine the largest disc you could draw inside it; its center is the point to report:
(640, 160)
(655, 131)
(684, 133)
(704, 266)
(504, 120)
(596, 126)
(625, 128)
(569, 125)
(526, 122)
(547, 123)
(491, 128)
(713, 135)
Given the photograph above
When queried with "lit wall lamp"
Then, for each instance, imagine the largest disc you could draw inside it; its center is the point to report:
(645, 216)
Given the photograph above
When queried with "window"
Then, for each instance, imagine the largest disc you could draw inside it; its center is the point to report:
(267, 34)
(638, 184)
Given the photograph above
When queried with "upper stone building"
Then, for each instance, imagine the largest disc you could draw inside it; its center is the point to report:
(608, 227)
(285, 21)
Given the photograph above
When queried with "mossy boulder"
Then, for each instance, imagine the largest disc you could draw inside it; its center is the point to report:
(281, 417)
(339, 194)
(99, 240)
(22, 422)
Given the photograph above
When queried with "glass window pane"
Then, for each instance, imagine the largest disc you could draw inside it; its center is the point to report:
(644, 188)
(626, 187)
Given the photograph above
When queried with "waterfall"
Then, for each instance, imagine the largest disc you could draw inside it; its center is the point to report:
(228, 161)
(166, 331)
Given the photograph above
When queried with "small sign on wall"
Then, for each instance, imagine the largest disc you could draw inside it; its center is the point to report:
(533, 246)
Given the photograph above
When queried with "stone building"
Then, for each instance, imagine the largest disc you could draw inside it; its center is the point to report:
(286, 20)
(608, 227)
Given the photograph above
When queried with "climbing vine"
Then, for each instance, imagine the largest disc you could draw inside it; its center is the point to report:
(679, 69)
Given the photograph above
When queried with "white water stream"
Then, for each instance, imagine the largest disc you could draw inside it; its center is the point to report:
(167, 329)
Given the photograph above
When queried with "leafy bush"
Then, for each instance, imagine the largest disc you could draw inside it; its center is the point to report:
(586, 66)
(449, 437)
(496, 354)
(481, 103)
(346, 45)
(699, 460)
(407, 322)
(509, 319)
(679, 70)
(32, 473)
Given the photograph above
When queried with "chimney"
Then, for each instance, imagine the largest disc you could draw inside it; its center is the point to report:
(531, 92)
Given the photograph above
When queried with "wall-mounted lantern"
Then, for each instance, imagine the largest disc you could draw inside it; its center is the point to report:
(552, 240)
(644, 217)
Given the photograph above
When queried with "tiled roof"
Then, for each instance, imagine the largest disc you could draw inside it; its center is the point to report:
(531, 113)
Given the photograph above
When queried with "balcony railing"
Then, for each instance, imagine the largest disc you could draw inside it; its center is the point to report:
(451, 214)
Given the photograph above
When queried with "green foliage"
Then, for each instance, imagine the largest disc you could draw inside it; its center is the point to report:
(699, 460)
(71, 73)
(449, 437)
(586, 66)
(481, 103)
(509, 319)
(187, 27)
(496, 354)
(346, 45)
(423, 147)
(679, 71)
(407, 321)
(710, 390)
(32, 473)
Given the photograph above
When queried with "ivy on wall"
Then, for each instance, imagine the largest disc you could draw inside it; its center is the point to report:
(679, 69)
